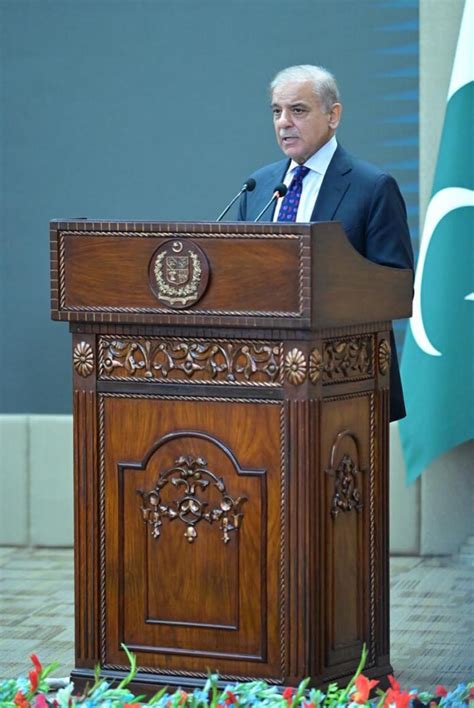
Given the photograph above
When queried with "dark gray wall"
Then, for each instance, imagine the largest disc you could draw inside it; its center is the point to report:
(157, 109)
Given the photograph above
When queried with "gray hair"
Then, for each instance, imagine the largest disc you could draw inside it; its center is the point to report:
(324, 83)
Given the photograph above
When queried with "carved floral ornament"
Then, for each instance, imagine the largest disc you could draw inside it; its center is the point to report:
(348, 358)
(191, 474)
(201, 360)
(340, 360)
(346, 494)
(83, 359)
(384, 356)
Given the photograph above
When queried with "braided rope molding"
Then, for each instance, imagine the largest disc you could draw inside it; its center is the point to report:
(105, 340)
(102, 594)
(61, 274)
(352, 379)
(190, 674)
(204, 382)
(371, 397)
(163, 311)
(178, 397)
(372, 653)
(102, 601)
(282, 541)
(304, 251)
(171, 235)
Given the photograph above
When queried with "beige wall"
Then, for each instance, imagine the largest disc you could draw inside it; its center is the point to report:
(36, 480)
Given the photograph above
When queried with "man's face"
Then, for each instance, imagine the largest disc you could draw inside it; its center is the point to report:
(301, 127)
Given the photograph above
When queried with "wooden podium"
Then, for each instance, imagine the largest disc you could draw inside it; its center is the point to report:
(231, 395)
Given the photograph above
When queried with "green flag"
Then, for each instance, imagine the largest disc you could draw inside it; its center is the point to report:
(438, 359)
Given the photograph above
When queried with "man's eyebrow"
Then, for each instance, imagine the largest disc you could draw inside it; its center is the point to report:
(296, 104)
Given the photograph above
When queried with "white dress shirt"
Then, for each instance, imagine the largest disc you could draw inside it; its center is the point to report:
(318, 164)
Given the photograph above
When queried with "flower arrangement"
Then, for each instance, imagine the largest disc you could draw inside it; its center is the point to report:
(32, 692)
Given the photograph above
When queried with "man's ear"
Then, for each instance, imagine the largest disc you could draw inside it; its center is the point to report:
(335, 115)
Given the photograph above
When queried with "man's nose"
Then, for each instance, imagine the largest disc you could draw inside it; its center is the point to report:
(284, 119)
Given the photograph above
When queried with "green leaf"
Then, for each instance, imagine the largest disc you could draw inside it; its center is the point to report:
(156, 697)
(362, 661)
(133, 668)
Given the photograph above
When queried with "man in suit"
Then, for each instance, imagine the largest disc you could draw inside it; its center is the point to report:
(326, 183)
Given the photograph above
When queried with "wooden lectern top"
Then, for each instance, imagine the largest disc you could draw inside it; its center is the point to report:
(270, 276)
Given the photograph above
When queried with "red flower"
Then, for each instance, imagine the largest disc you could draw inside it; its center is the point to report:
(41, 701)
(36, 663)
(393, 682)
(131, 705)
(364, 687)
(33, 676)
(288, 694)
(441, 691)
(403, 699)
(183, 699)
(471, 693)
(20, 700)
(231, 698)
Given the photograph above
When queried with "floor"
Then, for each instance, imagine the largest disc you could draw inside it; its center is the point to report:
(432, 618)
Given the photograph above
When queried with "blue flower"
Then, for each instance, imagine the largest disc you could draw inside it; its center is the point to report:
(100, 690)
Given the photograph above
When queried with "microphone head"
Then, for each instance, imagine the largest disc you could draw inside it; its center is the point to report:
(281, 189)
(250, 184)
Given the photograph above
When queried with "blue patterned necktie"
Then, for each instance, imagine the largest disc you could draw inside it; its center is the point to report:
(291, 200)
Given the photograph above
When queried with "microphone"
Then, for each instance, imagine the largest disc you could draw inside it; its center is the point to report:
(249, 186)
(279, 191)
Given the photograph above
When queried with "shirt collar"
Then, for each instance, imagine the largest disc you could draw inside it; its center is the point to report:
(319, 162)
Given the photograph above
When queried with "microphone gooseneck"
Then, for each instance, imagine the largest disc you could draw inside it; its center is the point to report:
(249, 186)
(279, 191)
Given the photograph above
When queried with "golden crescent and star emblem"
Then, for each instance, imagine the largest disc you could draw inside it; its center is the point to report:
(178, 273)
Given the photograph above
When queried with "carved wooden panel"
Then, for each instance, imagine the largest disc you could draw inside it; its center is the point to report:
(169, 360)
(343, 360)
(348, 529)
(206, 603)
(348, 359)
(258, 276)
(86, 547)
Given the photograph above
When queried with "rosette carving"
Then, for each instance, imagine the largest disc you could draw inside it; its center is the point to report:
(295, 366)
(385, 356)
(83, 359)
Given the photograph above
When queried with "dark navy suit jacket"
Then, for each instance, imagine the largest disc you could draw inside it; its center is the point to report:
(371, 209)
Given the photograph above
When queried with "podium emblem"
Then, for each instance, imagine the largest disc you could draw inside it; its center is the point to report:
(177, 269)
(178, 273)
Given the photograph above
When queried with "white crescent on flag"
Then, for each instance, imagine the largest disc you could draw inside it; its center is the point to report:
(443, 202)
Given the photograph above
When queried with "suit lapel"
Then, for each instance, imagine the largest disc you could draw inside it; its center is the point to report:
(334, 186)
